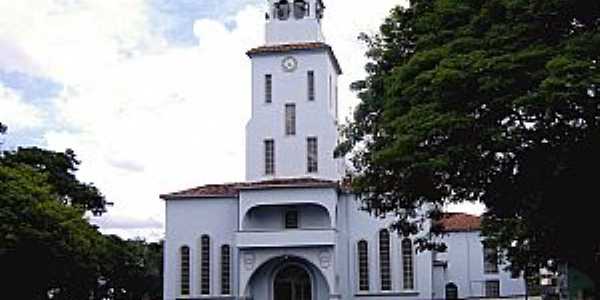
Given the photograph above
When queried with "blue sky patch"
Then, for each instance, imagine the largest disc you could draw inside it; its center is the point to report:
(175, 18)
(32, 89)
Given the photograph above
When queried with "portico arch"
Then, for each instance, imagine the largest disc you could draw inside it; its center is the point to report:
(263, 282)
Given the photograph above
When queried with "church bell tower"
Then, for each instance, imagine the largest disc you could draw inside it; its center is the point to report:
(293, 129)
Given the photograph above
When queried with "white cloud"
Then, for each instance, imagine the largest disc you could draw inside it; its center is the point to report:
(146, 117)
(177, 114)
(16, 113)
(117, 221)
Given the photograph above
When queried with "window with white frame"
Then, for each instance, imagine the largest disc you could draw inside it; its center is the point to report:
(290, 119)
(291, 219)
(185, 270)
(408, 268)
(384, 260)
(269, 157)
(205, 265)
(363, 265)
(268, 88)
(312, 158)
(451, 291)
(492, 288)
(225, 270)
(311, 85)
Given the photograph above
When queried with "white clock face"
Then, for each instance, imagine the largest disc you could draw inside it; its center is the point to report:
(289, 64)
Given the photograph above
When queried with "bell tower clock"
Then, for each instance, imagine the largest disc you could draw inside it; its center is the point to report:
(293, 129)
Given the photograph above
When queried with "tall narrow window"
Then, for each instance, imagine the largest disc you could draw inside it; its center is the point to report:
(384, 260)
(269, 157)
(492, 289)
(290, 119)
(225, 270)
(311, 86)
(363, 266)
(312, 150)
(205, 265)
(268, 88)
(291, 219)
(185, 270)
(490, 259)
(408, 268)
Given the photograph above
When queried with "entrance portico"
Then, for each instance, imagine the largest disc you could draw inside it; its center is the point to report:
(287, 278)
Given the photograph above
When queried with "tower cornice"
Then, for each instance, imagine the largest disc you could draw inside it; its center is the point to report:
(296, 47)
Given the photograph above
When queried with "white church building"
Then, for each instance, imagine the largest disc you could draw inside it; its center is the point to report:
(291, 231)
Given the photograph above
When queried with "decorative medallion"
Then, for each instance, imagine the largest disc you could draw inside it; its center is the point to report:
(325, 259)
(249, 260)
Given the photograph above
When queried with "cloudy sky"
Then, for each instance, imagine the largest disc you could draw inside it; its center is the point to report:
(153, 95)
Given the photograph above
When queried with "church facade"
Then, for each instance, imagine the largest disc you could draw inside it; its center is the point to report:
(291, 231)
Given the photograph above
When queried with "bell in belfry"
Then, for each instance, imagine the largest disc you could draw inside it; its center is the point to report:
(300, 9)
(282, 9)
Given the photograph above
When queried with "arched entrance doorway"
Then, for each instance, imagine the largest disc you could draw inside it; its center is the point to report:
(292, 282)
(451, 291)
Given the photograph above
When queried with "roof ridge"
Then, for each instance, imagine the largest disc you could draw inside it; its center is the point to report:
(232, 189)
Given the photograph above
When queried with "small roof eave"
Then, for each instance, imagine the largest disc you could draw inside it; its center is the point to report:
(299, 47)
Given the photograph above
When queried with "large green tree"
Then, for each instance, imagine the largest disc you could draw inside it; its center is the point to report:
(48, 248)
(495, 101)
(44, 245)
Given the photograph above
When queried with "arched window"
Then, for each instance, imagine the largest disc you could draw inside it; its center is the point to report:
(451, 291)
(301, 9)
(282, 10)
(205, 265)
(363, 266)
(185, 270)
(384, 260)
(408, 269)
(225, 270)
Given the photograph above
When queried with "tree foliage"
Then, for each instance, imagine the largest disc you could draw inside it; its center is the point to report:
(132, 270)
(59, 169)
(494, 101)
(45, 246)
(48, 248)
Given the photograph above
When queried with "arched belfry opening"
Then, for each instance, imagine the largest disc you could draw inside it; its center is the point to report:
(292, 282)
(284, 10)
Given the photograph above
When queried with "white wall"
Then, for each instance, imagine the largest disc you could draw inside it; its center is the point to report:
(356, 225)
(466, 268)
(186, 222)
(313, 118)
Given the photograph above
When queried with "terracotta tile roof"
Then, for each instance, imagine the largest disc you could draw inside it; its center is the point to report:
(282, 48)
(460, 222)
(287, 48)
(231, 190)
